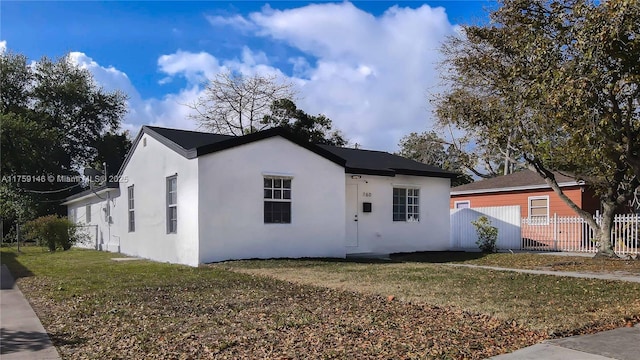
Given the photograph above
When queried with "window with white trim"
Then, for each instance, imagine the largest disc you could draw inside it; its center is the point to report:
(131, 204)
(539, 210)
(172, 204)
(463, 204)
(406, 204)
(87, 213)
(277, 200)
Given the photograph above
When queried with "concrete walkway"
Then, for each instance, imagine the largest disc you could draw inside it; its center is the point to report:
(575, 274)
(21, 335)
(620, 344)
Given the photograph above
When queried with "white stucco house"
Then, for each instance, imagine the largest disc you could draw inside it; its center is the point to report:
(190, 198)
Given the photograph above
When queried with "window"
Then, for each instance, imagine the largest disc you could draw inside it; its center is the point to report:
(539, 210)
(132, 215)
(277, 200)
(462, 204)
(87, 213)
(172, 204)
(406, 204)
(73, 214)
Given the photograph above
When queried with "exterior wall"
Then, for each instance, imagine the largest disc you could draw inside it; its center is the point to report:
(231, 203)
(521, 198)
(376, 230)
(147, 171)
(98, 230)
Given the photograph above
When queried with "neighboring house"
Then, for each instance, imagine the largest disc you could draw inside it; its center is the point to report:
(541, 209)
(190, 198)
(527, 189)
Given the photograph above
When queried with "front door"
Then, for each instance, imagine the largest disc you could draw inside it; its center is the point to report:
(352, 215)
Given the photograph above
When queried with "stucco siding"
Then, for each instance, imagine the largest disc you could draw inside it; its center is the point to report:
(147, 171)
(376, 230)
(97, 231)
(231, 216)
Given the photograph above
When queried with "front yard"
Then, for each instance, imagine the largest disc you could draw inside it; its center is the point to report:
(94, 307)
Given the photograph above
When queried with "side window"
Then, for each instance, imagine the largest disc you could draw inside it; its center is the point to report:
(539, 210)
(87, 213)
(277, 200)
(172, 204)
(131, 203)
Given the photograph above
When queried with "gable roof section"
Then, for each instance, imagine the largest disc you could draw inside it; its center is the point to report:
(521, 180)
(372, 162)
(192, 144)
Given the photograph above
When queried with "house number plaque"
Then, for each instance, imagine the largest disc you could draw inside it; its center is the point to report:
(366, 194)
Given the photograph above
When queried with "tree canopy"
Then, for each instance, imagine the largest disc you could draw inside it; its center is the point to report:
(554, 84)
(235, 104)
(316, 129)
(54, 116)
(429, 148)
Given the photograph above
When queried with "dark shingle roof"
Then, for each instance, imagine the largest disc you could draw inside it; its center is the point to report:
(192, 144)
(188, 139)
(519, 180)
(382, 163)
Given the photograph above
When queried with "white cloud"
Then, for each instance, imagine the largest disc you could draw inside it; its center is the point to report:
(235, 21)
(370, 75)
(3, 46)
(195, 67)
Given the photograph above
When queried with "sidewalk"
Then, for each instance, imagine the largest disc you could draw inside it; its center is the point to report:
(575, 274)
(22, 335)
(620, 344)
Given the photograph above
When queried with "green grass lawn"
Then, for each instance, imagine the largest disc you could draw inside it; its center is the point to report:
(96, 308)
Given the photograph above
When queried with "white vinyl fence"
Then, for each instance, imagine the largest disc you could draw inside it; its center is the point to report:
(505, 218)
(557, 233)
(575, 234)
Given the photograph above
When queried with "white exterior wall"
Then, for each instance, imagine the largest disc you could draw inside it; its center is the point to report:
(147, 171)
(232, 203)
(378, 233)
(98, 231)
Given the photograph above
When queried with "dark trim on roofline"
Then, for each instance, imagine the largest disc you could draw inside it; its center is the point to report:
(249, 138)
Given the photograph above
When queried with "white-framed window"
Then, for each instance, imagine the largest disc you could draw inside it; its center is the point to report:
(538, 210)
(87, 213)
(131, 204)
(172, 204)
(462, 204)
(277, 200)
(73, 215)
(406, 204)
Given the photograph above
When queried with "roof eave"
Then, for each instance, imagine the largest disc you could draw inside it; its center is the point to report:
(514, 188)
(90, 193)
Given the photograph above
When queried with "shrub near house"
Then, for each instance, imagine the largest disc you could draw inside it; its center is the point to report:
(53, 232)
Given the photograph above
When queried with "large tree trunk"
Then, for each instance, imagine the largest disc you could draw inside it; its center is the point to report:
(603, 235)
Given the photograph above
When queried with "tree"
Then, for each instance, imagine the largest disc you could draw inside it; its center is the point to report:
(52, 114)
(111, 148)
(316, 129)
(235, 104)
(554, 83)
(431, 149)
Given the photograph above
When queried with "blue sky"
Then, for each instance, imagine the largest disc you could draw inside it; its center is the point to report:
(367, 65)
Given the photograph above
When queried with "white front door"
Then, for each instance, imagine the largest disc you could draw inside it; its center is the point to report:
(352, 215)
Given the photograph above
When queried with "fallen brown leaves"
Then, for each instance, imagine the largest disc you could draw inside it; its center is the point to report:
(230, 316)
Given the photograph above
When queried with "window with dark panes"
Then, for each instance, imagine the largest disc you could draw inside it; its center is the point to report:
(277, 200)
(406, 204)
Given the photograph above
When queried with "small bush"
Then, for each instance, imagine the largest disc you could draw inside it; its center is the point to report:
(53, 232)
(487, 234)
